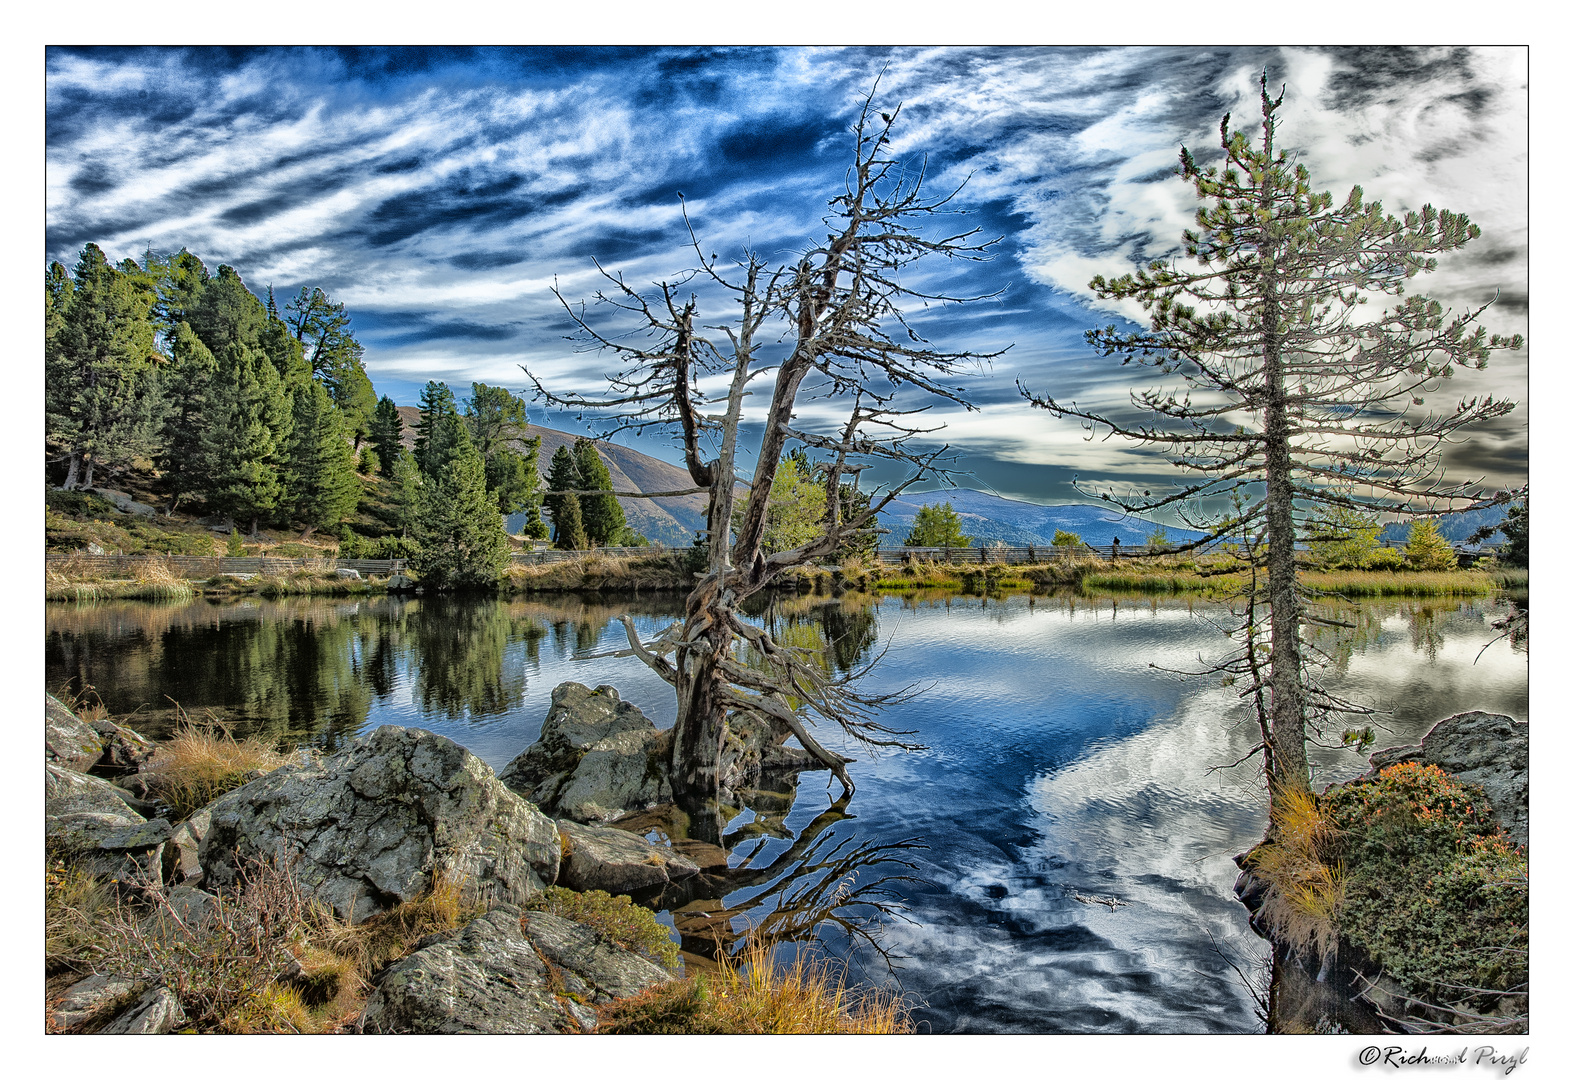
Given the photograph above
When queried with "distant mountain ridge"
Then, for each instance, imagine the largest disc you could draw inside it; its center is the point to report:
(995, 519)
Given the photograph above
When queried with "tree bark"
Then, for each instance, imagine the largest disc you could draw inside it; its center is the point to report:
(71, 473)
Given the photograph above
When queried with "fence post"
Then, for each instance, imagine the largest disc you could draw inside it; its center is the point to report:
(983, 554)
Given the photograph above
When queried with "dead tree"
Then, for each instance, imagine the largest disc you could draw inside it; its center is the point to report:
(1305, 397)
(832, 325)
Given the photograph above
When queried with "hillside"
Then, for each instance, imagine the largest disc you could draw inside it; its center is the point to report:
(668, 521)
(995, 519)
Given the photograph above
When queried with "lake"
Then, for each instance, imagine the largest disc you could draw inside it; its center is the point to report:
(1063, 762)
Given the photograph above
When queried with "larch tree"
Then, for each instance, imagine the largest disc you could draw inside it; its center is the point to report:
(832, 324)
(1298, 394)
(937, 526)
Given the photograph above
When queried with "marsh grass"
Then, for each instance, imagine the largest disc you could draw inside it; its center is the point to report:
(202, 761)
(1305, 884)
(592, 572)
(754, 994)
(1401, 583)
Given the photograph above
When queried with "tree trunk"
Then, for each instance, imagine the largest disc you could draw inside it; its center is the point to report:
(702, 712)
(71, 473)
(87, 476)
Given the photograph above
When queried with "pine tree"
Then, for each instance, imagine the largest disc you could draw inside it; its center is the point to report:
(1296, 396)
(937, 526)
(603, 517)
(405, 492)
(321, 329)
(562, 480)
(496, 420)
(245, 430)
(102, 388)
(437, 430)
(187, 382)
(535, 528)
(321, 486)
(387, 436)
(463, 545)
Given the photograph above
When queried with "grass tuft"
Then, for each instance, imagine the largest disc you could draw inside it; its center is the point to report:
(753, 994)
(1305, 885)
(203, 761)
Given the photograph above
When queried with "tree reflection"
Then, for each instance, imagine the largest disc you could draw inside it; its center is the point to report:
(460, 646)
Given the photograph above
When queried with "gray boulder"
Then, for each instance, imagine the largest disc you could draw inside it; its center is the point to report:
(181, 862)
(90, 997)
(69, 741)
(1487, 749)
(598, 758)
(89, 821)
(616, 861)
(369, 827)
(498, 977)
(156, 1012)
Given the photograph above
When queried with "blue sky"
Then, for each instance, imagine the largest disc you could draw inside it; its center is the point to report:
(439, 193)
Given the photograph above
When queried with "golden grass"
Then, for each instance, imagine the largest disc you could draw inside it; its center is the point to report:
(1301, 906)
(203, 761)
(593, 571)
(1399, 583)
(753, 994)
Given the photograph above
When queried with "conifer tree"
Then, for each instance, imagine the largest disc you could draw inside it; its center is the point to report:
(102, 399)
(387, 436)
(1297, 395)
(603, 517)
(937, 526)
(321, 329)
(187, 381)
(245, 430)
(495, 418)
(405, 492)
(568, 527)
(320, 481)
(437, 430)
(1427, 550)
(463, 544)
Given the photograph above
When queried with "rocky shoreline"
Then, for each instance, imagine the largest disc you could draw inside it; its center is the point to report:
(1348, 990)
(380, 824)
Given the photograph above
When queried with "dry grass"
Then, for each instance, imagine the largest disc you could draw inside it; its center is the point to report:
(591, 571)
(1400, 583)
(1301, 906)
(753, 994)
(203, 761)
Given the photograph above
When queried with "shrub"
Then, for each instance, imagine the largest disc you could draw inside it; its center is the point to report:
(753, 995)
(202, 762)
(1385, 558)
(616, 918)
(1434, 891)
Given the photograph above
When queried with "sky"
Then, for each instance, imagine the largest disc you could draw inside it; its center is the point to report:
(440, 193)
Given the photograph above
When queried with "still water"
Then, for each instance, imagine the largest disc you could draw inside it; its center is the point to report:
(1062, 759)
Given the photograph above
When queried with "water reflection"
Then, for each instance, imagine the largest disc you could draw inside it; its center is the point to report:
(1058, 763)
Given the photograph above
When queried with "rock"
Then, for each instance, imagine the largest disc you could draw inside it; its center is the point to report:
(123, 502)
(156, 1012)
(193, 906)
(401, 583)
(181, 863)
(69, 741)
(86, 999)
(125, 751)
(66, 790)
(498, 977)
(616, 861)
(86, 820)
(598, 758)
(354, 575)
(1487, 749)
(369, 827)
